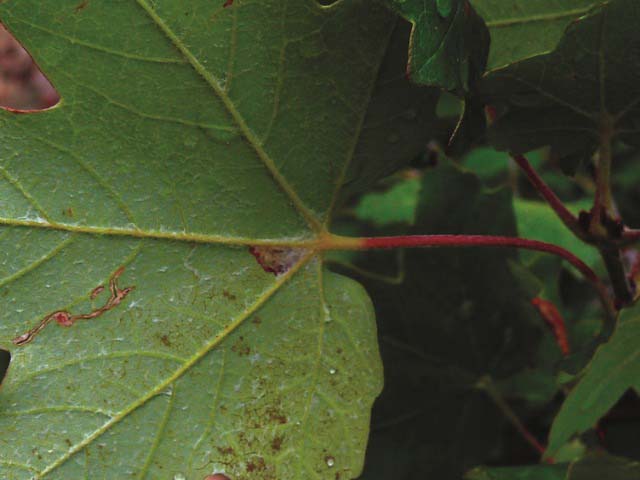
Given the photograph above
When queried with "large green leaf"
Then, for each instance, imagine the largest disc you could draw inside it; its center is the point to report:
(521, 29)
(186, 133)
(539, 99)
(615, 368)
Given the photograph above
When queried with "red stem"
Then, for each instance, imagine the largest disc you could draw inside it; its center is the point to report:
(487, 241)
(568, 218)
(479, 240)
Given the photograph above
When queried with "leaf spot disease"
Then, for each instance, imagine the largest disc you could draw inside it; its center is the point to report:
(81, 6)
(216, 476)
(66, 319)
(227, 3)
(277, 260)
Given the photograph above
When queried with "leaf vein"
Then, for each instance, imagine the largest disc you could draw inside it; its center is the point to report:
(251, 138)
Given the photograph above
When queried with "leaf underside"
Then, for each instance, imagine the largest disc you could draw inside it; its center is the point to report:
(176, 145)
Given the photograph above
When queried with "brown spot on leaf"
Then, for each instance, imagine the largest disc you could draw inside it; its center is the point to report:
(227, 3)
(275, 415)
(256, 320)
(276, 444)
(225, 450)
(81, 6)
(241, 347)
(256, 465)
(228, 295)
(216, 476)
(277, 260)
(165, 340)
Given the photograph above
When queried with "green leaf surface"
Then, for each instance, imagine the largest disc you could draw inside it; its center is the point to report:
(521, 29)
(459, 315)
(614, 369)
(540, 104)
(187, 132)
(449, 42)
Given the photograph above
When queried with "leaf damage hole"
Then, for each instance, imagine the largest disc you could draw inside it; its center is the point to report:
(277, 260)
(5, 360)
(66, 319)
(23, 86)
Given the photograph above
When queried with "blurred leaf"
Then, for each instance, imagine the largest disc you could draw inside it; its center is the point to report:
(537, 221)
(534, 472)
(460, 315)
(539, 98)
(596, 466)
(614, 369)
(602, 466)
(521, 29)
(396, 205)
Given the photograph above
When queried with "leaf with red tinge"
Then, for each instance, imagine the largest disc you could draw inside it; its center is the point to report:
(550, 314)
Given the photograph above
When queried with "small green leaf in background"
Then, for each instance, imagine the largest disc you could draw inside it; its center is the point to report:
(614, 369)
(521, 29)
(396, 205)
(538, 222)
(449, 42)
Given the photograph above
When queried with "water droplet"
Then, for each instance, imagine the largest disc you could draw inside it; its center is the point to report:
(330, 461)
(332, 371)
